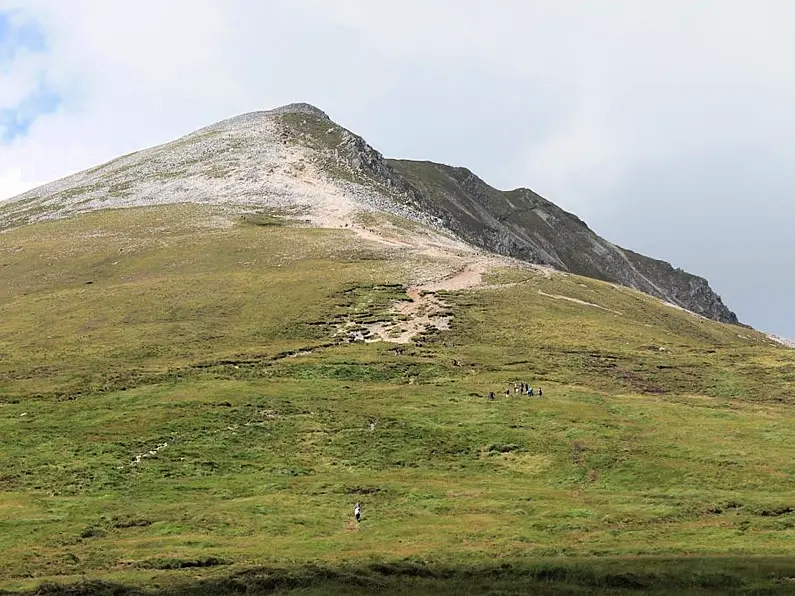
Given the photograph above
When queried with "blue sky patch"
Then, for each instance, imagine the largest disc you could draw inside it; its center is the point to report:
(15, 122)
(18, 35)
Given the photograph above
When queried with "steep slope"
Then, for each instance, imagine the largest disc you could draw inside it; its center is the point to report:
(296, 160)
(524, 225)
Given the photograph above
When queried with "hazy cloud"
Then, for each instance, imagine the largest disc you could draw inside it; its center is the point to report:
(666, 125)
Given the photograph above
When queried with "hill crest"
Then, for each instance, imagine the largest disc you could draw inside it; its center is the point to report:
(294, 159)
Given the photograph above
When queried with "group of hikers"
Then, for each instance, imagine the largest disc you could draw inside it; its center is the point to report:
(520, 389)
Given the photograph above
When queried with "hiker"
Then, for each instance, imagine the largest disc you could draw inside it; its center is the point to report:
(539, 392)
(357, 512)
(529, 392)
(491, 396)
(507, 392)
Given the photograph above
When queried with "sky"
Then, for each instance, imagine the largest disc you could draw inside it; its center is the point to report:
(667, 125)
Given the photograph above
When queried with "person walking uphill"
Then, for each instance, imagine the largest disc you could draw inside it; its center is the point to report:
(357, 512)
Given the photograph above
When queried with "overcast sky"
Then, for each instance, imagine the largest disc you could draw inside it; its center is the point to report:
(668, 126)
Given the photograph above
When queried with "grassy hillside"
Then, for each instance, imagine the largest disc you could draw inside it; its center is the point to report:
(179, 413)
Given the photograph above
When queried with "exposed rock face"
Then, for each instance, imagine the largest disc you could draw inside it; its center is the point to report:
(524, 225)
(295, 156)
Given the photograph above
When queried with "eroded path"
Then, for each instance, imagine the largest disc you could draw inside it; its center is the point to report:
(425, 310)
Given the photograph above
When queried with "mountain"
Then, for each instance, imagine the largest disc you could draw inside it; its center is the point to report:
(196, 390)
(295, 158)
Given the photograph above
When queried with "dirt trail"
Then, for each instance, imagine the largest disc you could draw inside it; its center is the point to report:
(426, 311)
(470, 276)
(578, 301)
(455, 266)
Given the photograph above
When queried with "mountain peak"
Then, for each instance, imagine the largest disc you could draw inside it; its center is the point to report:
(300, 108)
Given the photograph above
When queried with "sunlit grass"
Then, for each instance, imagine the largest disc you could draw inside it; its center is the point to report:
(192, 407)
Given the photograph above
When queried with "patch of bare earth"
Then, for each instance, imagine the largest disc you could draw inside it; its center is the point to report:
(425, 311)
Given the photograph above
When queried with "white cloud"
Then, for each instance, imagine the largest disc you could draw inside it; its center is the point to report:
(12, 180)
(19, 77)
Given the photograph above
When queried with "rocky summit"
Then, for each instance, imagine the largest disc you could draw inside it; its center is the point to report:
(297, 160)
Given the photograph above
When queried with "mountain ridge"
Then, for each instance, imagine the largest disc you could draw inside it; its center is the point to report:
(295, 158)
(538, 231)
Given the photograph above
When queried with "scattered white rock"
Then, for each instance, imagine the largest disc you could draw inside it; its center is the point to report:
(781, 340)
(247, 162)
(151, 453)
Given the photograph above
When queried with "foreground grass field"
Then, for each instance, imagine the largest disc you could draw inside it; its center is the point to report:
(188, 422)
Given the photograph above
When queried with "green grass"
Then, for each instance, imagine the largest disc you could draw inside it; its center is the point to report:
(642, 470)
